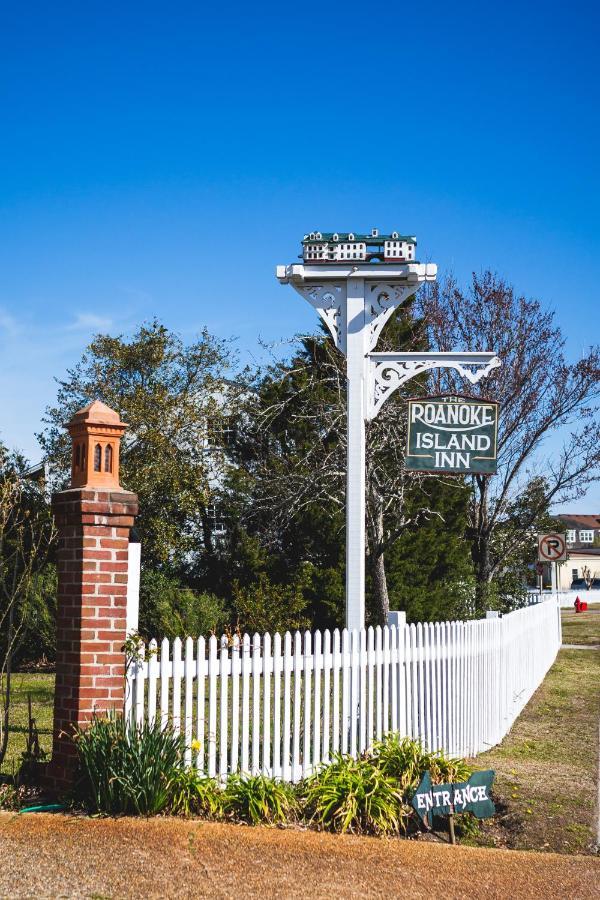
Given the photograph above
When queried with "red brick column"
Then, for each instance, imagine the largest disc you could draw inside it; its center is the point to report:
(93, 527)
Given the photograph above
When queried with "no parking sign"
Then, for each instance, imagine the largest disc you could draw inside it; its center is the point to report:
(552, 548)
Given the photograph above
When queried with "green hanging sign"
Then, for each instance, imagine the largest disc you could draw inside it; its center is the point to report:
(472, 796)
(452, 434)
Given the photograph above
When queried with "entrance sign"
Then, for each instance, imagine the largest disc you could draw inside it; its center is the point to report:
(452, 434)
(472, 796)
(552, 548)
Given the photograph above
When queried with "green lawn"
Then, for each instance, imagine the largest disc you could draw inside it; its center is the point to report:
(583, 627)
(547, 766)
(41, 689)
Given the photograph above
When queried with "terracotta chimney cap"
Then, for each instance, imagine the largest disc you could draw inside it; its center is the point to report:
(97, 413)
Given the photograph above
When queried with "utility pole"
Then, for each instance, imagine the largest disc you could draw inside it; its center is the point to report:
(355, 301)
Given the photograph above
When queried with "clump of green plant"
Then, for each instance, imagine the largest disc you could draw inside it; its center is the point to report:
(195, 795)
(406, 761)
(258, 800)
(127, 768)
(354, 795)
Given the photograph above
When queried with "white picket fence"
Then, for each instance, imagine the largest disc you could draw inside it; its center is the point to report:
(565, 599)
(282, 705)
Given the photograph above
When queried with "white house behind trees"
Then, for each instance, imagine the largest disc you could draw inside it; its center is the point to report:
(583, 552)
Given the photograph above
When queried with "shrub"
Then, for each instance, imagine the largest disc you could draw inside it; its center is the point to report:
(266, 606)
(195, 795)
(354, 795)
(257, 800)
(127, 768)
(169, 609)
(405, 761)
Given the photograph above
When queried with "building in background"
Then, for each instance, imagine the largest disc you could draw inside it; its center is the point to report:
(582, 568)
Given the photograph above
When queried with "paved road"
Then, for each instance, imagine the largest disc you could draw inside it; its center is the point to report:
(45, 856)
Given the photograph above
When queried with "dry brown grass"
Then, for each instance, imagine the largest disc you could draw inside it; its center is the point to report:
(48, 857)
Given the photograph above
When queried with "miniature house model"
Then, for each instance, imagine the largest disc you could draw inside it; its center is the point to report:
(96, 431)
(327, 247)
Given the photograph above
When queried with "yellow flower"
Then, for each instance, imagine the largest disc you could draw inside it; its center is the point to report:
(196, 746)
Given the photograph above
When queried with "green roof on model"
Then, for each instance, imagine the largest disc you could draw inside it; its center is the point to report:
(365, 238)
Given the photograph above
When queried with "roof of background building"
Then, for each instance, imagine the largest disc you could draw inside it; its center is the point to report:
(366, 238)
(574, 520)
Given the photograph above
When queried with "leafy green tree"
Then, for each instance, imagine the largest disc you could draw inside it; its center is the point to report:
(429, 570)
(171, 395)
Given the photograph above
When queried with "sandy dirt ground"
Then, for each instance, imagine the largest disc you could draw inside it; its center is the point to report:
(60, 856)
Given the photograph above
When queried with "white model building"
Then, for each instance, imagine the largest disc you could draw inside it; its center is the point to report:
(333, 246)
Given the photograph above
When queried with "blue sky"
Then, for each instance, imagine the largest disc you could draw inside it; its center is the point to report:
(140, 143)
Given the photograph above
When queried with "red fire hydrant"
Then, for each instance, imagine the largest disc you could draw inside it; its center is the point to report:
(578, 605)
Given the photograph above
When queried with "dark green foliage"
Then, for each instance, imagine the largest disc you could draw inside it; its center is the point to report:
(429, 569)
(264, 606)
(259, 800)
(354, 795)
(127, 768)
(169, 609)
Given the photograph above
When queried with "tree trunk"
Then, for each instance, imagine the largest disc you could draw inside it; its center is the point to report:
(480, 545)
(378, 576)
(380, 591)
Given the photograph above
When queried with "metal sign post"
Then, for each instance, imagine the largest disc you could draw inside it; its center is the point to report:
(355, 301)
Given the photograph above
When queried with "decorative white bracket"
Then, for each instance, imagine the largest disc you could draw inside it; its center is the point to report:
(328, 301)
(325, 288)
(388, 371)
(380, 302)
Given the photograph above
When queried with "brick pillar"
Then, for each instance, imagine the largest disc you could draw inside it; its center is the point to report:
(93, 521)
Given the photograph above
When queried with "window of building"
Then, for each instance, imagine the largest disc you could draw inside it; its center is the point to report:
(574, 574)
(216, 518)
(571, 536)
(586, 537)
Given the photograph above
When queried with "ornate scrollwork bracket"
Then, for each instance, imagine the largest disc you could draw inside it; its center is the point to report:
(388, 371)
(380, 302)
(327, 300)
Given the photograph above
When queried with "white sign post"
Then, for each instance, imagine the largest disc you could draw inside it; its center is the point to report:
(355, 301)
